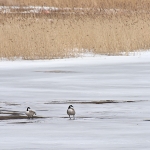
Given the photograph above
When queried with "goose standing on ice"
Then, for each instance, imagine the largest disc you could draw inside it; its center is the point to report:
(30, 113)
(71, 111)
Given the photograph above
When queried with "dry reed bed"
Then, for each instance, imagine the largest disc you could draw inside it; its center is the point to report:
(59, 35)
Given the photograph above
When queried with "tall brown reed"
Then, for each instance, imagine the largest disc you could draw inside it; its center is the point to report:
(59, 35)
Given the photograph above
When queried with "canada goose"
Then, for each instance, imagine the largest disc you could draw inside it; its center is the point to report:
(30, 113)
(71, 111)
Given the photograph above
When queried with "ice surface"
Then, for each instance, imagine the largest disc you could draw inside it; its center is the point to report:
(47, 86)
(85, 78)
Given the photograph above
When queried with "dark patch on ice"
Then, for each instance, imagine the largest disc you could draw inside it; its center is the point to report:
(130, 101)
(89, 102)
(17, 117)
(7, 115)
(87, 118)
(21, 122)
(147, 120)
(10, 112)
(42, 110)
(77, 117)
(57, 71)
(12, 104)
(25, 122)
(82, 102)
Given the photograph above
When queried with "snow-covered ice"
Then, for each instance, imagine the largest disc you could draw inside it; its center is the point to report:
(49, 86)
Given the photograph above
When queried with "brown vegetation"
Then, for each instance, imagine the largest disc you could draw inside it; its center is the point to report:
(66, 33)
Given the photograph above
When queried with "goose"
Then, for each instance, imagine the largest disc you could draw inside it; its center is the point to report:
(71, 111)
(30, 113)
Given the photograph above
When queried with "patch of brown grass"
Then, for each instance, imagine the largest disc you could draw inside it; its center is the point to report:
(57, 35)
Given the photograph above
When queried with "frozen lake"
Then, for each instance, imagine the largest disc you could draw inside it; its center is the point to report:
(49, 86)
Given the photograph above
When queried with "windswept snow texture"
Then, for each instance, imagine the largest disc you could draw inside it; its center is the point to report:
(27, 9)
(49, 86)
